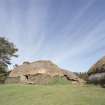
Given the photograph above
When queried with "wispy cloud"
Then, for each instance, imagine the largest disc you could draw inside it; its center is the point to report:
(68, 32)
(89, 42)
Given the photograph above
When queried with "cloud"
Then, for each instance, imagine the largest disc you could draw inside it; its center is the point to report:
(63, 31)
(86, 44)
(74, 20)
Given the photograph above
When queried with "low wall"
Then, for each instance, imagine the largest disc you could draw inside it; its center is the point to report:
(10, 80)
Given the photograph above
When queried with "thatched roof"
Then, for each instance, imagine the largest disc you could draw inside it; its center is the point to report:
(43, 67)
(98, 67)
(69, 74)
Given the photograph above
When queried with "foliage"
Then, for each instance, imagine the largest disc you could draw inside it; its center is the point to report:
(26, 62)
(7, 50)
(83, 75)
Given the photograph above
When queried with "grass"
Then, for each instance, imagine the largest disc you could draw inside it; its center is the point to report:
(59, 80)
(51, 95)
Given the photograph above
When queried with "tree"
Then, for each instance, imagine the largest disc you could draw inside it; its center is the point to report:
(7, 50)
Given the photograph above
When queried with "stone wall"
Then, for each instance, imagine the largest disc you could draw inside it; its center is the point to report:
(10, 80)
(39, 79)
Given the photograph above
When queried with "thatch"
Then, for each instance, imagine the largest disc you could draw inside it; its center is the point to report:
(97, 72)
(97, 77)
(98, 67)
(42, 68)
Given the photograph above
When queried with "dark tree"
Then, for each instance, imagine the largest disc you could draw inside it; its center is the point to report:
(7, 50)
(83, 75)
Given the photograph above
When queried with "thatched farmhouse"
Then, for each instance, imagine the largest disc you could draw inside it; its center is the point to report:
(40, 72)
(97, 72)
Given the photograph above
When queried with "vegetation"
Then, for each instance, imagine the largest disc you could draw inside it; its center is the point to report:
(7, 50)
(59, 80)
(2, 77)
(51, 95)
(83, 75)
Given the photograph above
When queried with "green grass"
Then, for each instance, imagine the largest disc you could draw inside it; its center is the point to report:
(51, 95)
(59, 80)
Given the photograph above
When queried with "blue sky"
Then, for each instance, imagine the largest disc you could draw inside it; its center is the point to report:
(70, 33)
